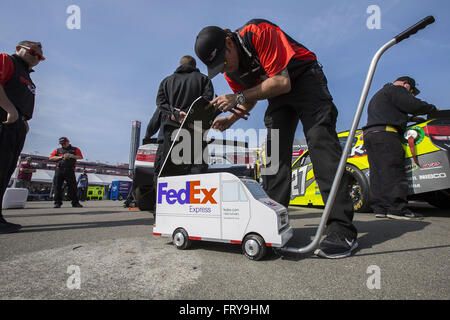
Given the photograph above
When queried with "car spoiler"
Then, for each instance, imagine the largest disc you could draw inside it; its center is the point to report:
(439, 114)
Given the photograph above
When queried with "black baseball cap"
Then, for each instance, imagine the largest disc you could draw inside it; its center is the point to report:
(411, 82)
(210, 48)
(63, 139)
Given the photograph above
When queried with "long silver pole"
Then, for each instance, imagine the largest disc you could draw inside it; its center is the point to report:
(337, 179)
(134, 143)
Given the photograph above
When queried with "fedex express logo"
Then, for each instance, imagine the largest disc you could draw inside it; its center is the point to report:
(190, 195)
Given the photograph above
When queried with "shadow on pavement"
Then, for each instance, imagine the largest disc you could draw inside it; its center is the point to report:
(223, 248)
(60, 214)
(86, 225)
(373, 233)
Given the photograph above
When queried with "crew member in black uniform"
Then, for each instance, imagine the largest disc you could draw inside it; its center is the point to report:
(17, 92)
(175, 95)
(387, 117)
(66, 158)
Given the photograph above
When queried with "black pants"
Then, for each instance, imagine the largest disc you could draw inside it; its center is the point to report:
(311, 102)
(81, 193)
(12, 139)
(388, 183)
(68, 175)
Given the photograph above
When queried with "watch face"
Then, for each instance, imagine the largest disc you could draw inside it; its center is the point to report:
(240, 99)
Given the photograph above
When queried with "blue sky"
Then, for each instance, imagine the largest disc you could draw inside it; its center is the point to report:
(98, 79)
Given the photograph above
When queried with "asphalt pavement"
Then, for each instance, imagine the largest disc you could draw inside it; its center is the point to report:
(105, 251)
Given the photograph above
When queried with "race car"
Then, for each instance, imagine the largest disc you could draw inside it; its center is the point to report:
(427, 164)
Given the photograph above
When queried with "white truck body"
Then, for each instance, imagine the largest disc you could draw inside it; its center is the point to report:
(219, 207)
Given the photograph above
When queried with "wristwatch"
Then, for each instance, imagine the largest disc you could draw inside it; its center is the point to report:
(240, 98)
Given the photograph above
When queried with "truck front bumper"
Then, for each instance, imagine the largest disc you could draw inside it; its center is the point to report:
(285, 236)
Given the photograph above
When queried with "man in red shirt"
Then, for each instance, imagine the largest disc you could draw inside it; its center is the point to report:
(17, 92)
(66, 158)
(260, 62)
(25, 174)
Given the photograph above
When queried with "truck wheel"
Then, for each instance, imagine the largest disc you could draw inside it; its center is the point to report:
(358, 189)
(180, 239)
(254, 247)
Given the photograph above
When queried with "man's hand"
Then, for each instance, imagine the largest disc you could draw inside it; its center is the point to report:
(223, 123)
(181, 116)
(224, 102)
(416, 119)
(8, 106)
(12, 116)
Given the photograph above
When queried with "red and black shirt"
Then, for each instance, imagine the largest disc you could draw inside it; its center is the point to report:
(25, 175)
(19, 88)
(66, 163)
(264, 51)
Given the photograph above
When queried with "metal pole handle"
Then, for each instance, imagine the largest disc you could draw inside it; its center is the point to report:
(412, 30)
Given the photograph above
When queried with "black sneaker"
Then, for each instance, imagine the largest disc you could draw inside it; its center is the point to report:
(336, 246)
(407, 215)
(7, 227)
(77, 205)
(57, 205)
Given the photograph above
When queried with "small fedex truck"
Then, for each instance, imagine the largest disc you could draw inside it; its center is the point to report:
(220, 207)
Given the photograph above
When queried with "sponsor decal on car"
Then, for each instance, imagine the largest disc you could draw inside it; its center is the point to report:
(413, 167)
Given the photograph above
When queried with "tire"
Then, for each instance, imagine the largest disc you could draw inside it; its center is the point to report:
(359, 189)
(440, 199)
(145, 198)
(180, 239)
(254, 247)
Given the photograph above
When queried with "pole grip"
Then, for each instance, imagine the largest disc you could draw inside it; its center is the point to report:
(412, 30)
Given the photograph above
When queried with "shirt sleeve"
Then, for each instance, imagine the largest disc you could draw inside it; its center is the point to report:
(6, 68)
(54, 153)
(407, 103)
(161, 100)
(208, 90)
(78, 152)
(273, 49)
(154, 123)
(236, 87)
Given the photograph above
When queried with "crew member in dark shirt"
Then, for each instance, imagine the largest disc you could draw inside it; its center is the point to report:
(175, 95)
(67, 157)
(387, 117)
(17, 92)
(82, 185)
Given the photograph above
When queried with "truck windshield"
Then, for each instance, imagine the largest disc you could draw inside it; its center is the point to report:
(256, 190)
